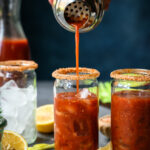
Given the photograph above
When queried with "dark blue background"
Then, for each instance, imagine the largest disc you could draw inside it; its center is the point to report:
(122, 40)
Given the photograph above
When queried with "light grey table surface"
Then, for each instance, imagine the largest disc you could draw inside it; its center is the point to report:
(45, 96)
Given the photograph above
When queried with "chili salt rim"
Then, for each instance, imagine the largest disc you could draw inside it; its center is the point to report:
(18, 65)
(63, 73)
(144, 74)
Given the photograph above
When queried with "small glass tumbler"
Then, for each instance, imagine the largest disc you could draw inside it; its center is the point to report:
(3, 123)
(76, 110)
(130, 109)
(18, 97)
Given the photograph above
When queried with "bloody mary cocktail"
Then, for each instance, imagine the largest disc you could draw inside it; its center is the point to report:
(75, 112)
(130, 110)
(131, 120)
(76, 116)
(76, 122)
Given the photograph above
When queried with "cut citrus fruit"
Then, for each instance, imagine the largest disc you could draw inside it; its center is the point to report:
(107, 147)
(45, 118)
(13, 141)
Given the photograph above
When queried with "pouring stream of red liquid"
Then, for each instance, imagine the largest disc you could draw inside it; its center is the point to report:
(77, 54)
(77, 26)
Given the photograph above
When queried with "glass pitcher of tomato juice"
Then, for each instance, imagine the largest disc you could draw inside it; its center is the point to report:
(76, 110)
(13, 43)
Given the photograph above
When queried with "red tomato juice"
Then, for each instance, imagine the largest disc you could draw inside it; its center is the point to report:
(131, 120)
(14, 49)
(77, 25)
(76, 122)
(77, 54)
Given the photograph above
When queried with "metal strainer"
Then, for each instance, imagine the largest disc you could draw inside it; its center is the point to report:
(87, 12)
(77, 12)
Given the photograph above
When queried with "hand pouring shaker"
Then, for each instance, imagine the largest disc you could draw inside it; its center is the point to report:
(88, 13)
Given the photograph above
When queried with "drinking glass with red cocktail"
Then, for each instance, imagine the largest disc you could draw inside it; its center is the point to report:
(76, 110)
(130, 109)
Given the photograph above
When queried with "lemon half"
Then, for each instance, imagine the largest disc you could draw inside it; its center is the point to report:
(45, 118)
(13, 141)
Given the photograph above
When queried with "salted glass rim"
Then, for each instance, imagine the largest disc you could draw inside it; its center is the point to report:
(131, 74)
(18, 65)
(67, 74)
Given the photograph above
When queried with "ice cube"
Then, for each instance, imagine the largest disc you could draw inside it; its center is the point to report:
(84, 93)
(7, 85)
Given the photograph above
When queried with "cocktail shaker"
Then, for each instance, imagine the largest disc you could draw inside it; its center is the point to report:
(89, 12)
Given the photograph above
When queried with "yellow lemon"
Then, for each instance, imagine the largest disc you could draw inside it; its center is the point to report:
(45, 118)
(13, 141)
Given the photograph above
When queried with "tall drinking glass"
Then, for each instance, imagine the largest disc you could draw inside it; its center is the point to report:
(130, 109)
(18, 97)
(76, 110)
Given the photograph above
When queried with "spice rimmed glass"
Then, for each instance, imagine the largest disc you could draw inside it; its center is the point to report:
(76, 113)
(130, 109)
(18, 97)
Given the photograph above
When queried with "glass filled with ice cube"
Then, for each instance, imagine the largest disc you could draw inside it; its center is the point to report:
(76, 109)
(18, 97)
